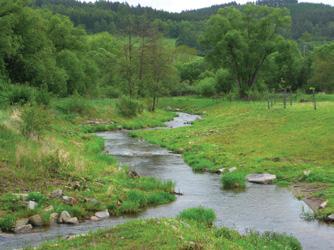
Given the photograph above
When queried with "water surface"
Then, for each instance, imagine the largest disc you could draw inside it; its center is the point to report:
(260, 208)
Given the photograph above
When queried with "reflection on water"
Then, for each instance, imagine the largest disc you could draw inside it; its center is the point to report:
(262, 208)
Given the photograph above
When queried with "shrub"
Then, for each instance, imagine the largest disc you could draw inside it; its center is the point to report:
(224, 81)
(35, 121)
(11, 202)
(42, 98)
(76, 105)
(53, 163)
(128, 107)
(206, 87)
(202, 215)
(37, 197)
(234, 180)
(19, 95)
(7, 223)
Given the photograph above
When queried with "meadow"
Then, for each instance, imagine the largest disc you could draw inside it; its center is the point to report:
(181, 233)
(65, 156)
(295, 143)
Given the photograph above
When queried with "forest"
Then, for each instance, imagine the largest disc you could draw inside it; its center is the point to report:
(129, 117)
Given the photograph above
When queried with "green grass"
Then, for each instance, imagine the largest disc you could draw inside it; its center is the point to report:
(174, 234)
(66, 154)
(234, 180)
(202, 215)
(247, 135)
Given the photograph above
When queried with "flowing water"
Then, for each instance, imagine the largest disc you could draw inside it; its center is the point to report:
(260, 208)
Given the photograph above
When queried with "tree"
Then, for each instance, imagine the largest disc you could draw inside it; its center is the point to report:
(322, 68)
(160, 72)
(242, 40)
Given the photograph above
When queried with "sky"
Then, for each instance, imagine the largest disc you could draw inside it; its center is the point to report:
(179, 5)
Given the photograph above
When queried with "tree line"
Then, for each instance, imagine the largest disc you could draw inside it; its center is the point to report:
(246, 52)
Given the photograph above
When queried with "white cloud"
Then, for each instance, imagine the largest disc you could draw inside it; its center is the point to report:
(179, 5)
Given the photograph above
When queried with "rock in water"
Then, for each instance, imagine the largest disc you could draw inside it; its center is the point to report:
(36, 220)
(72, 221)
(102, 215)
(261, 178)
(23, 229)
(53, 218)
(66, 218)
(330, 218)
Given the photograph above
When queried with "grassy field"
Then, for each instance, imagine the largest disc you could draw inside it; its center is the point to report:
(67, 157)
(296, 143)
(174, 234)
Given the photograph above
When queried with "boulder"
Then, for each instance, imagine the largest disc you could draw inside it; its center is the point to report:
(21, 222)
(69, 200)
(261, 178)
(94, 218)
(53, 218)
(66, 218)
(58, 193)
(102, 214)
(32, 205)
(36, 220)
(330, 218)
(72, 221)
(23, 229)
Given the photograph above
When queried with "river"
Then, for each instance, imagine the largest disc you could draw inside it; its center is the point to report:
(260, 207)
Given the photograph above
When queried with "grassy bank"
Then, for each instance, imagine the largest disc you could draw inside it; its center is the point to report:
(174, 234)
(296, 143)
(66, 157)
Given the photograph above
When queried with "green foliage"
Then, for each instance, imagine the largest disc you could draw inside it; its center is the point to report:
(11, 202)
(201, 215)
(234, 180)
(206, 87)
(76, 105)
(19, 95)
(128, 107)
(35, 121)
(7, 223)
(37, 197)
(322, 68)
(233, 36)
(42, 98)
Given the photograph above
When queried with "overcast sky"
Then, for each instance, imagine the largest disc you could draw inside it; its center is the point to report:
(179, 5)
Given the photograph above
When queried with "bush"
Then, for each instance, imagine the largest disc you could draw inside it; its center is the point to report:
(224, 81)
(202, 215)
(128, 107)
(7, 223)
(19, 95)
(234, 180)
(42, 98)
(11, 202)
(76, 105)
(35, 121)
(37, 197)
(206, 87)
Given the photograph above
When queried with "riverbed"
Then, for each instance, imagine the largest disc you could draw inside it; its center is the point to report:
(260, 207)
